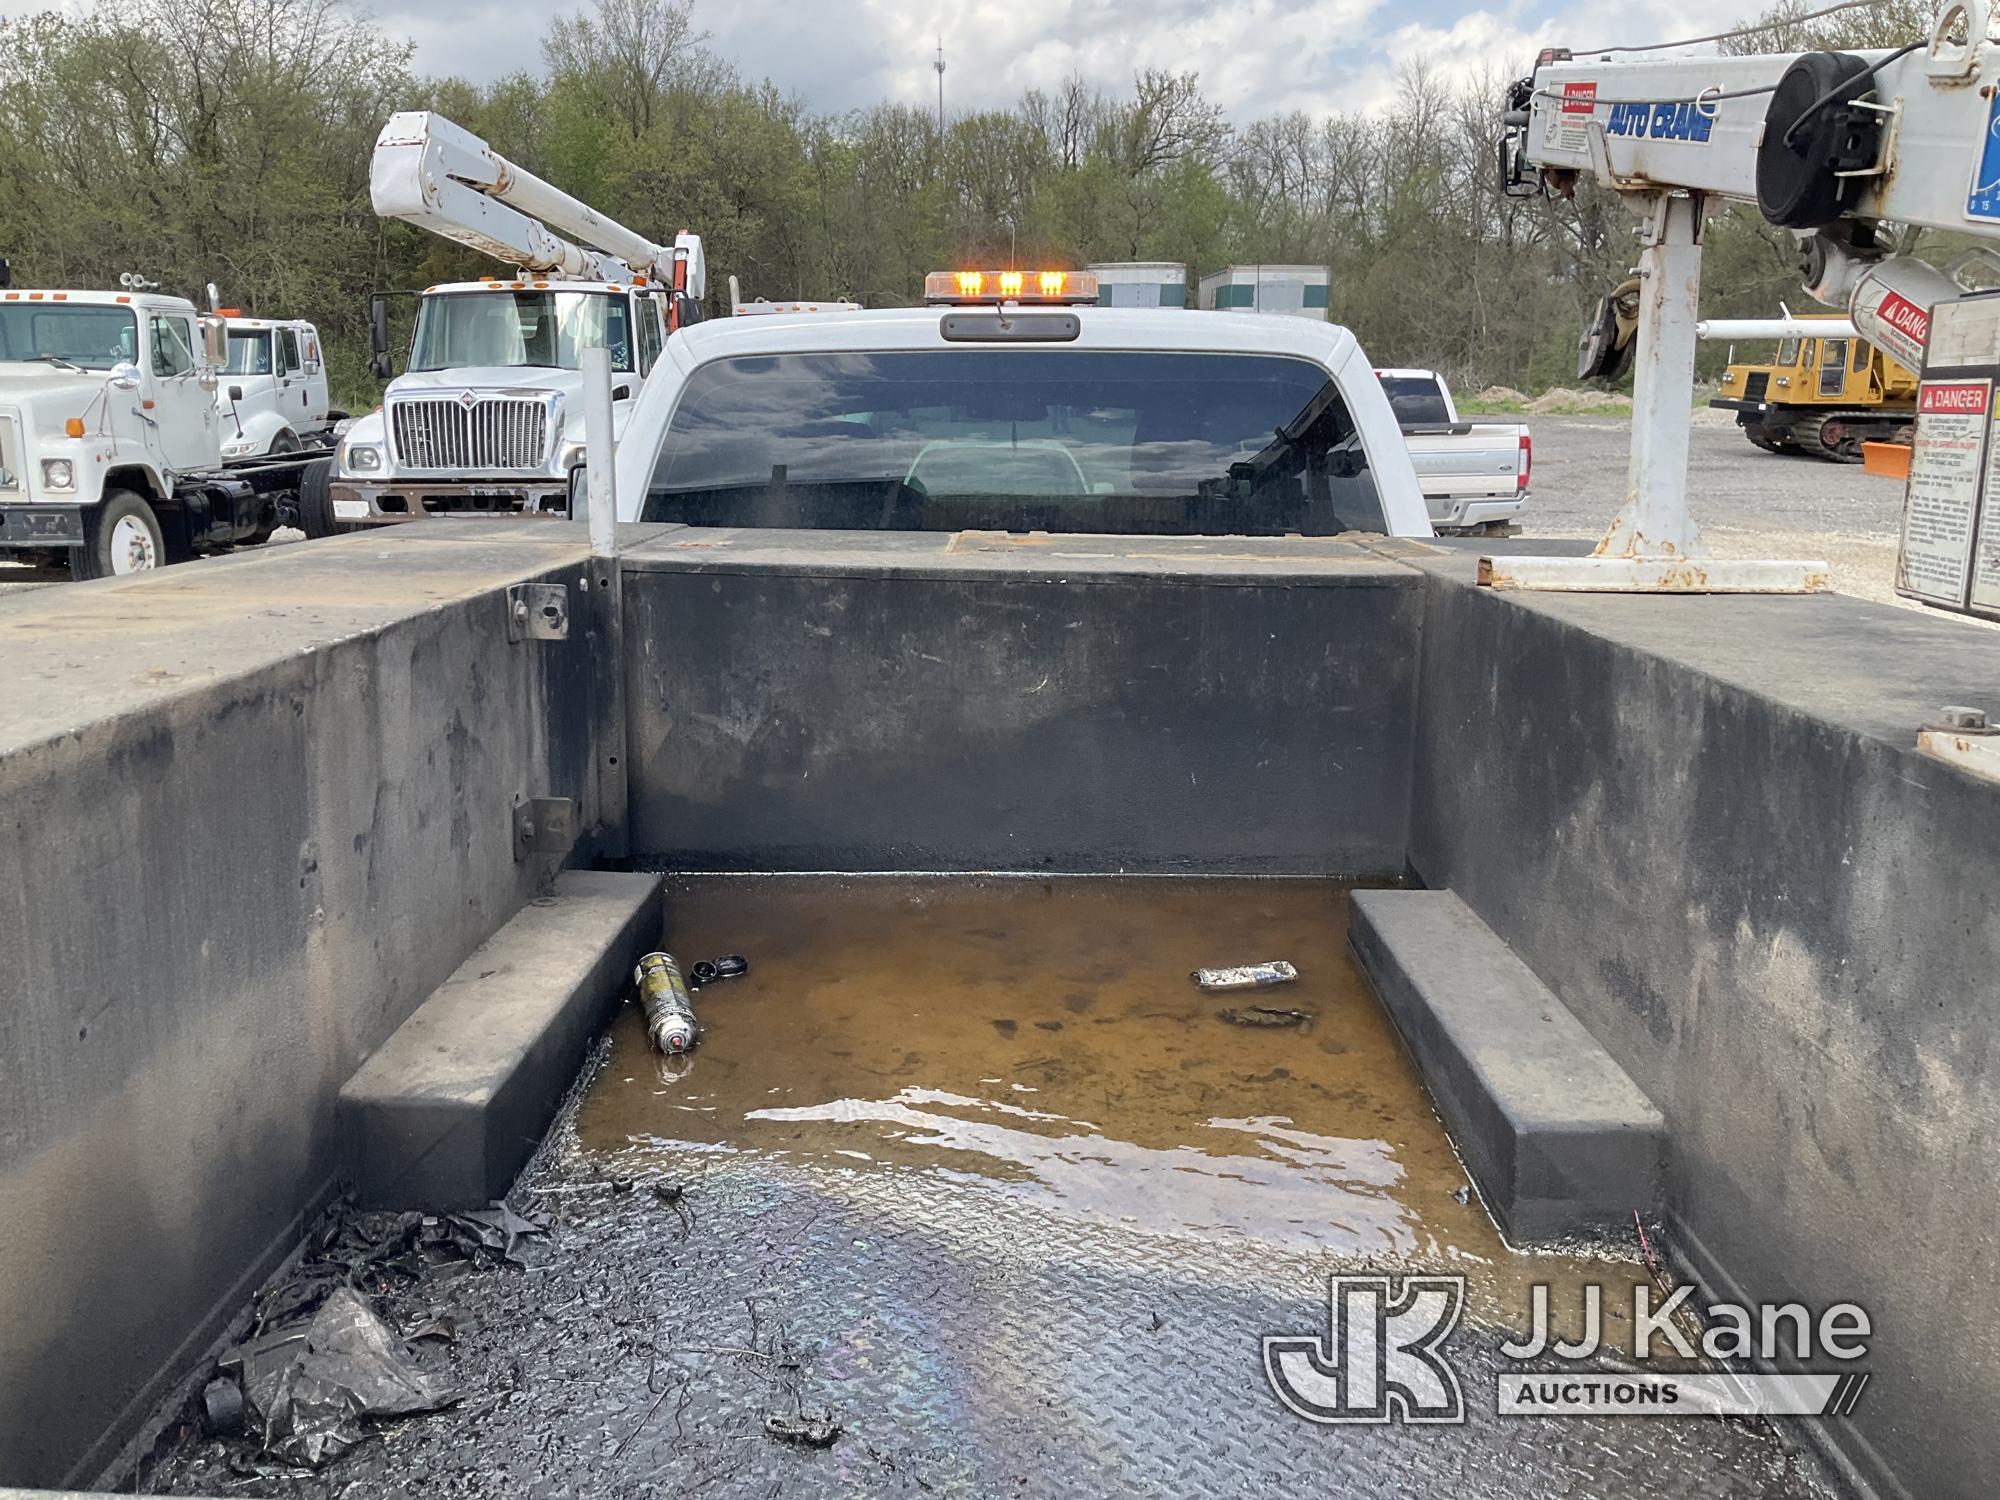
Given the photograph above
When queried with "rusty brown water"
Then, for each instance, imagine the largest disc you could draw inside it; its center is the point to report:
(1044, 1035)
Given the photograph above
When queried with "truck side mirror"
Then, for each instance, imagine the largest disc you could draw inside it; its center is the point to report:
(124, 376)
(215, 341)
(378, 339)
(579, 492)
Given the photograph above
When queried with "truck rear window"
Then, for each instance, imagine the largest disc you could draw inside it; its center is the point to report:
(1415, 400)
(1016, 440)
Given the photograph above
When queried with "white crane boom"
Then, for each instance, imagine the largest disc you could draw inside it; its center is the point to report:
(443, 178)
(1839, 148)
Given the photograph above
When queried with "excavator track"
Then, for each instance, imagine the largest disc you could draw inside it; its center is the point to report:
(1835, 435)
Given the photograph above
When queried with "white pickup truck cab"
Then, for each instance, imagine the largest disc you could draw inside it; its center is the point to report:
(1474, 474)
(1057, 418)
(487, 418)
(272, 393)
(111, 455)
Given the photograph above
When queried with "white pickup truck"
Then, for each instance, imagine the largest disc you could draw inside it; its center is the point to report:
(1014, 403)
(1474, 474)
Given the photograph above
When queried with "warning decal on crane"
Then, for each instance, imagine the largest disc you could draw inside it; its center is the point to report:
(1985, 596)
(1569, 127)
(1902, 329)
(1947, 464)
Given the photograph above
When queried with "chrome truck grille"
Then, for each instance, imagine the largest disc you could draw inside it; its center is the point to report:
(470, 434)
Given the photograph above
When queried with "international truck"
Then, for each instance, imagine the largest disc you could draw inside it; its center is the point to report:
(486, 417)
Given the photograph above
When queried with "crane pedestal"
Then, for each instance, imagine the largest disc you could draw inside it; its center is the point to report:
(1653, 545)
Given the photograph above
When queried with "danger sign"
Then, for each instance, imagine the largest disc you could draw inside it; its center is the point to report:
(1902, 328)
(1966, 397)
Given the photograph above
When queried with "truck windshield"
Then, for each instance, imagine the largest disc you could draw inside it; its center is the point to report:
(544, 330)
(249, 354)
(94, 337)
(1415, 399)
(1017, 440)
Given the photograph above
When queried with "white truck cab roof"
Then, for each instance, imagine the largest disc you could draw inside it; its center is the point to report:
(138, 301)
(1098, 329)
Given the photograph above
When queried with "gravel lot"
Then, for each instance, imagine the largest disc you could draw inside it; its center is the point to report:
(1748, 503)
(17, 578)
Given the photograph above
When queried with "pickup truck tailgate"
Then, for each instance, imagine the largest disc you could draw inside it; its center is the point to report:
(1469, 458)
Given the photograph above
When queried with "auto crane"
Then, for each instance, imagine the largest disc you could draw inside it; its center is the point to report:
(1851, 152)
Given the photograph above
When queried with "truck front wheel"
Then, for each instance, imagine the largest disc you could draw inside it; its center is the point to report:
(125, 538)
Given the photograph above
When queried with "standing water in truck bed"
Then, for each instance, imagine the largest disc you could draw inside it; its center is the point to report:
(1041, 1037)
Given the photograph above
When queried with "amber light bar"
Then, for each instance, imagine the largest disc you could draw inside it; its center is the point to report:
(1048, 287)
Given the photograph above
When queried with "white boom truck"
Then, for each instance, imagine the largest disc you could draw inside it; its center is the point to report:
(1848, 151)
(488, 416)
(111, 446)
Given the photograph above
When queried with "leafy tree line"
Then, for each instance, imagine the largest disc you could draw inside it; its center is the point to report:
(228, 140)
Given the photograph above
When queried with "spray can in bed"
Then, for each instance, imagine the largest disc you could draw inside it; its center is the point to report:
(663, 995)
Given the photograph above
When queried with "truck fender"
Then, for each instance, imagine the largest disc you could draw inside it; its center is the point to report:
(142, 479)
(261, 428)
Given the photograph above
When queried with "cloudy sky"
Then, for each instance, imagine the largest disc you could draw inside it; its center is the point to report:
(1254, 56)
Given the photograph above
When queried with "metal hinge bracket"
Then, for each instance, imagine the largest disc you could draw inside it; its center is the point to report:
(543, 825)
(538, 612)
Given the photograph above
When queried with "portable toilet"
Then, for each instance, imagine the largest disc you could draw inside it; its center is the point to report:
(1141, 283)
(1298, 290)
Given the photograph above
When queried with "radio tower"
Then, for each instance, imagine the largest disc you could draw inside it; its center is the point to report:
(939, 65)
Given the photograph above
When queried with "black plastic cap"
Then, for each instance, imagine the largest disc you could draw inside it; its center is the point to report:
(1797, 159)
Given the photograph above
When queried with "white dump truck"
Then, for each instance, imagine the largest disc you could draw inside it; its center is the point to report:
(112, 454)
(272, 394)
(487, 416)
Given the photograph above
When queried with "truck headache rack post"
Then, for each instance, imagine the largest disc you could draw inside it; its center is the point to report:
(600, 459)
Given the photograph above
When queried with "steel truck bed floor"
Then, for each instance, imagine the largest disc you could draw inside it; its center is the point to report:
(973, 1167)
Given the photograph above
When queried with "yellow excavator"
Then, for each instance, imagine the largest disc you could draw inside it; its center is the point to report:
(1827, 392)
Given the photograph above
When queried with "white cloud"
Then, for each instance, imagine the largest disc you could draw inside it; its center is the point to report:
(1255, 57)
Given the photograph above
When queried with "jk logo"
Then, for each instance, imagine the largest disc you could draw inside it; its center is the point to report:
(1381, 1362)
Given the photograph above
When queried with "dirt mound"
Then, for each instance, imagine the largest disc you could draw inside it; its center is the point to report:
(1564, 401)
(1501, 395)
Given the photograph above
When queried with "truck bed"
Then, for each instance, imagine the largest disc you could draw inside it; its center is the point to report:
(971, 1168)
